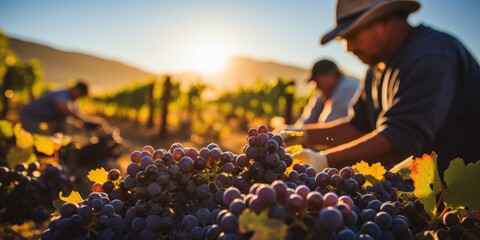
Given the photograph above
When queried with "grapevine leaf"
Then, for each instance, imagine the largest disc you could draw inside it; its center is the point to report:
(373, 174)
(406, 196)
(49, 160)
(426, 235)
(294, 133)
(262, 226)
(98, 175)
(426, 182)
(44, 144)
(74, 197)
(461, 181)
(403, 168)
(294, 150)
(6, 129)
(18, 155)
(24, 138)
(58, 204)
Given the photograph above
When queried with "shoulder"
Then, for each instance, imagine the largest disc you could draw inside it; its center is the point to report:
(62, 95)
(348, 83)
(426, 41)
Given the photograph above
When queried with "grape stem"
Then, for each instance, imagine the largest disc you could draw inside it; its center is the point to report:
(297, 221)
(443, 213)
(442, 194)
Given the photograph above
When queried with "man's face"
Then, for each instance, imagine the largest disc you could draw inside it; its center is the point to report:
(75, 93)
(326, 82)
(369, 43)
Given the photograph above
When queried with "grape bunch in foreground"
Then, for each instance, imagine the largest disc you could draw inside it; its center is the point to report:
(27, 191)
(186, 193)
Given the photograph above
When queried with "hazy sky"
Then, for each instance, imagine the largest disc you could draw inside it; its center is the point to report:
(172, 35)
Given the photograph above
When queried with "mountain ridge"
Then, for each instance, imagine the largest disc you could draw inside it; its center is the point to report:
(107, 74)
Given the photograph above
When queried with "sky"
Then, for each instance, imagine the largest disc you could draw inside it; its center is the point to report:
(187, 35)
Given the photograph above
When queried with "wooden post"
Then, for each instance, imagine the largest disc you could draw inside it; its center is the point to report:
(151, 104)
(289, 98)
(7, 79)
(164, 100)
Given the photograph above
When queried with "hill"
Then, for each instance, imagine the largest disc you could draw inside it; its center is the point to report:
(60, 66)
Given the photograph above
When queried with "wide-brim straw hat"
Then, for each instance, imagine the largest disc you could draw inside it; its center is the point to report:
(352, 15)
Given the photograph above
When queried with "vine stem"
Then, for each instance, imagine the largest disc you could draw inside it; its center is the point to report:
(443, 213)
(442, 194)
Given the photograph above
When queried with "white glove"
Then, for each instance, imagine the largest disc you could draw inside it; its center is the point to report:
(292, 136)
(317, 160)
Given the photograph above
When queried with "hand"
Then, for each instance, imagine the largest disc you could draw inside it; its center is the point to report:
(317, 160)
(293, 136)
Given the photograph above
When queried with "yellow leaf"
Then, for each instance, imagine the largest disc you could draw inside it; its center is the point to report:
(374, 173)
(73, 198)
(294, 133)
(98, 175)
(44, 144)
(24, 138)
(426, 181)
(6, 129)
(262, 226)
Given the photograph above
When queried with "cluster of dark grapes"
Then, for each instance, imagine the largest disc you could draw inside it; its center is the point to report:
(454, 228)
(396, 180)
(27, 191)
(332, 216)
(95, 218)
(264, 158)
(185, 193)
(161, 186)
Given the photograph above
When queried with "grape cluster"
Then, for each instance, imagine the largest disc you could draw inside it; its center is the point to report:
(185, 193)
(27, 184)
(454, 227)
(95, 218)
(396, 180)
(264, 158)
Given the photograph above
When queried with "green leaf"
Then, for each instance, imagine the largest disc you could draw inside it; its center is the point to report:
(17, 155)
(406, 196)
(262, 226)
(462, 185)
(294, 150)
(403, 168)
(427, 235)
(58, 204)
(6, 129)
(426, 181)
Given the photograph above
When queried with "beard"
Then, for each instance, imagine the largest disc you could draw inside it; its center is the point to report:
(366, 58)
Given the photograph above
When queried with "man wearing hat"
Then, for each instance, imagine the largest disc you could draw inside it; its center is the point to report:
(334, 96)
(47, 114)
(421, 92)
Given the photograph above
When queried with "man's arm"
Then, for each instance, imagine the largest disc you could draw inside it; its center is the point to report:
(66, 110)
(331, 134)
(372, 147)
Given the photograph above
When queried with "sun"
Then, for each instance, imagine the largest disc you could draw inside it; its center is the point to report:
(208, 56)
